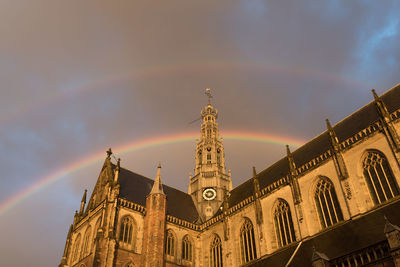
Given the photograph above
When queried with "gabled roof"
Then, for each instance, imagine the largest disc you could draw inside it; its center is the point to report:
(339, 240)
(135, 187)
(346, 128)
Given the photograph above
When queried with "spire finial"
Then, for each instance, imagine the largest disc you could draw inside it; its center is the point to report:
(254, 172)
(157, 186)
(288, 150)
(84, 196)
(109, 152)
(375, 95)
(209, 95)
(328, 124)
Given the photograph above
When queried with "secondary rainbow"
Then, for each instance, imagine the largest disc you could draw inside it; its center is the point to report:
(135, 146)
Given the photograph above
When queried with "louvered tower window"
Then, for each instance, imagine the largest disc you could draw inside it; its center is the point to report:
(76, 249)
(379, 176)
(86, 243)
(186, 249)
(170, 244)
(247, 242)
(283, 223)
(216, 252)
(327, 203)
(126, 230)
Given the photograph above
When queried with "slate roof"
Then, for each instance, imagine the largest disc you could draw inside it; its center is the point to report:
(339, 240)
(135, 187)
(346, 128)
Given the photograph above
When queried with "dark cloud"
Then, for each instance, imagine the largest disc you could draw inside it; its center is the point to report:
(78, 77)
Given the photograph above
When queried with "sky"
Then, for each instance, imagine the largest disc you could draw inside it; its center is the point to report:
(78, 77)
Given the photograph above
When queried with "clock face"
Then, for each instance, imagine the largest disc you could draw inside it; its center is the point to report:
(209, 194)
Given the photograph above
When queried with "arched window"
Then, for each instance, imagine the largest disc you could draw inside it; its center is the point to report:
(130, 264)
(186, 248)
(170, 244)
(216, 252)
(379, 176)
(247, 242)
(283, 223)
(96, 229)
(75, 255)
(327, 204)
(86, 243)
(125, 234)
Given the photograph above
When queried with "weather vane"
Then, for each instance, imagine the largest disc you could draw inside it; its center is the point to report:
(209, 95)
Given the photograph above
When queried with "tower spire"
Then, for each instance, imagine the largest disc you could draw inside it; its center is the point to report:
(157, 186)
(210, 181)
(209, 95)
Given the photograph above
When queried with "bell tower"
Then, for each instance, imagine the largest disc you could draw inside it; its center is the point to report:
(210, 182)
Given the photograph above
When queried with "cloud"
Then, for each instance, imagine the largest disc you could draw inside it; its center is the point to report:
(79, 77)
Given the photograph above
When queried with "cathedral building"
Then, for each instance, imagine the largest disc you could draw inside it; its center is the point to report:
(334, 201)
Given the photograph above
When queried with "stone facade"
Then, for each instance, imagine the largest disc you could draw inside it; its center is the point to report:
(299, 211)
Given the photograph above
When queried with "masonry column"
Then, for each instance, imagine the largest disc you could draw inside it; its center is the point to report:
(154, 225)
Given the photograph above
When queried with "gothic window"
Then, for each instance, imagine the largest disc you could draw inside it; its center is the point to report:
(96, 229)
(283, 223)
(130, 264)
(86, 243)
(75, 255)
(170, 243)
(379, 176)
(247, 242)
(216, 252)
(126, 230)
(327, 203)
(186, 248)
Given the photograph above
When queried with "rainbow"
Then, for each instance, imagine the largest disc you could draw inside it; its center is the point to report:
(167, 70)
(135, 146)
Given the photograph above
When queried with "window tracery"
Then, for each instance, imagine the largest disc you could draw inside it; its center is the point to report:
(247, 242)
(170, 244)
(283, 223)
(186, 248)
(327, 203)
(216, 252)
(75, 255)
(379, 177)
(126, 230)
(86, 243)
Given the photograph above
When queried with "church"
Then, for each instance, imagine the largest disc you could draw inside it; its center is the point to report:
(335, 201)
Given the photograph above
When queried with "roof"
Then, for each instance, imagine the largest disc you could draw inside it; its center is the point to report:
(346, 128)
(359, 233)
(135, 187)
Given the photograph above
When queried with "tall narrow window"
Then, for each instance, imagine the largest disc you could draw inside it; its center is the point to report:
(327, 203)
(247, 242)
(125, 234)
(96, 229)
(283, 223)
(76, 249)
(186, 248)
(379, 176)
(86, 243)
(170, 244)
(216, 252)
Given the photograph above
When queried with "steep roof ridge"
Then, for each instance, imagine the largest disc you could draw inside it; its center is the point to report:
(316, 138)
(163, 184)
